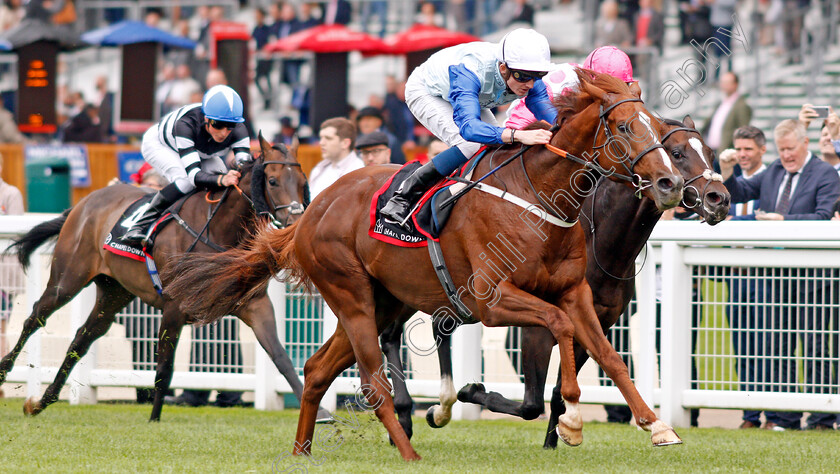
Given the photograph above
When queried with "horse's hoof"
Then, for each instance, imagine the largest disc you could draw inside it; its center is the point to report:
(31, 407)
(665, 438)
(663, 435)
(323, 416)
(467, 394)
(430, 418)
(570, 436)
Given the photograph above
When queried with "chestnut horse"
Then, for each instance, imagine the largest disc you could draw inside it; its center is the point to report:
(274, 186)
(369, 283)
(616, 226)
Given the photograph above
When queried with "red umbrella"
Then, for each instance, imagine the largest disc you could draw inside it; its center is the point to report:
(423, 37)
(329, 39)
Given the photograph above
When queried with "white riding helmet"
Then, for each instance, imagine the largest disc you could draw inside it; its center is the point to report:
(525, 49)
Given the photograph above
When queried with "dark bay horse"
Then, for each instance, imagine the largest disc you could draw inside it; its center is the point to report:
(275, 185)
(616, 226)
(369, 284)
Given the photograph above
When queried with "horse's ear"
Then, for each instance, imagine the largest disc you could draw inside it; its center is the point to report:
(635, 89)
(688, 122)
(293, 147)
(264, 145)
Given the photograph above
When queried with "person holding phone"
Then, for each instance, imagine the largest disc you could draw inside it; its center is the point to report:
(830, 133)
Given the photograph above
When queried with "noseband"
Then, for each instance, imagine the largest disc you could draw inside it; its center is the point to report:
(708, 173)
(294, 207)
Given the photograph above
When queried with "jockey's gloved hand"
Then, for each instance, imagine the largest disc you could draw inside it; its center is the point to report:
(239, 161)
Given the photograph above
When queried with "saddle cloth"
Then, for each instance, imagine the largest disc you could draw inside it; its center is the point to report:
(427, 219)
(113, 243)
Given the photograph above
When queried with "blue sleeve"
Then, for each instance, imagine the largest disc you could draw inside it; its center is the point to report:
(743, 190)
(463, 95)
(836, 144)
(539, 103)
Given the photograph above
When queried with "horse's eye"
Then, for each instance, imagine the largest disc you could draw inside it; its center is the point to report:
(622, 128)
(272, 181)
(676, 154)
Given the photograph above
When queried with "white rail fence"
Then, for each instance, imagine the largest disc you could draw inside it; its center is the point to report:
(711, 330)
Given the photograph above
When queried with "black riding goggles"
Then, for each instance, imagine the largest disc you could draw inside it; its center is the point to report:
(526, 76)
(220, 125)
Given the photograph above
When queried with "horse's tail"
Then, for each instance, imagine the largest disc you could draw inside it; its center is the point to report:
(210, 286)
(26, 245)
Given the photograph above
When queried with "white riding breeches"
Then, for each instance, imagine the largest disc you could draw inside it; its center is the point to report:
(436, 114)
(168, 162)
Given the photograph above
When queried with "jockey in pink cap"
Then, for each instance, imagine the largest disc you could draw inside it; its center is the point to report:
(606, 60)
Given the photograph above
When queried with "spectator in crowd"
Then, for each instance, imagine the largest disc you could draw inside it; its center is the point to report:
(84, 127)
(370, 119)
(11, 204)
(731, 112)
(183, 87)
(797, 186)
(337, 136)
(379, 9)
(829, 134)
(373, 149)
(285, 24)
(514, 11)
(436, 147)
(610, 29)
(429, 15)
(106, 109)
(398, 118)
(261, 35)
(166, 81)
(307, 20)
(721, 14)
(747, 295)
(9, 132)
(337, 12)
(649, 26)
(11, 12)
(793, 19)
(287, 133)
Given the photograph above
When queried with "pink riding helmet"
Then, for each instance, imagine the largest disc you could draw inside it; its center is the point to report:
(610, 60)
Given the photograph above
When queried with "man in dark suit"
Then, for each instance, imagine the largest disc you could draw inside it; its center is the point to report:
(337, 12)
(797, 186)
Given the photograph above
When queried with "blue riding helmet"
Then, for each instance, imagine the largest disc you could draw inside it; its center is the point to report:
(223, 104)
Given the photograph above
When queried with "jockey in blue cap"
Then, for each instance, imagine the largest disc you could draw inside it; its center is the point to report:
(188, 147)
(452, 93)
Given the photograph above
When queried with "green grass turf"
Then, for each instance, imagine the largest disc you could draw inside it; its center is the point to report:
(116, 438)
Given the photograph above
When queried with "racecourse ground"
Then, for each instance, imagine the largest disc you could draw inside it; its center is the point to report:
(116, 438)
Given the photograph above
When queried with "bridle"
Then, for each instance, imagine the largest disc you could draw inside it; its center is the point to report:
(638, 183)
(708, 174)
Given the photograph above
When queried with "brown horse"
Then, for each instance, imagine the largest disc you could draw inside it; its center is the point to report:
(616, 226)
(79, 259)
(369, 284)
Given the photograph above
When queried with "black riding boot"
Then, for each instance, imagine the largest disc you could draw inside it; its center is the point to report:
(160, 202)
(398, 207)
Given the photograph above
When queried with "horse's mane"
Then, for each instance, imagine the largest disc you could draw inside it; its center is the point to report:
(574, 102)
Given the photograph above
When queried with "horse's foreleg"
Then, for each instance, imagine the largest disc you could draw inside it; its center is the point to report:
(557, 406)
(439, 416)
(591, 336)
(258, 314)
(391, 340)
(515, 307)
(171, 324)
(320, 370)
(110, 298)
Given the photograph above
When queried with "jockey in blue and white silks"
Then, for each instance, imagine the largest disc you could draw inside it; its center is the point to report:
(452, 93)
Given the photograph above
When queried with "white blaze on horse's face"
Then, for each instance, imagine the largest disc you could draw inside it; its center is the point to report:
(698, 147)
(665, 159)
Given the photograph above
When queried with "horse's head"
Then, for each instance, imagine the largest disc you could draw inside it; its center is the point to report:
(626, 141)
(278, 186)
(704, 192)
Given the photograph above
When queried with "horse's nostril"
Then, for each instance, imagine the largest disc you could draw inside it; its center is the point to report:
(664, 184)
(714, 198)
